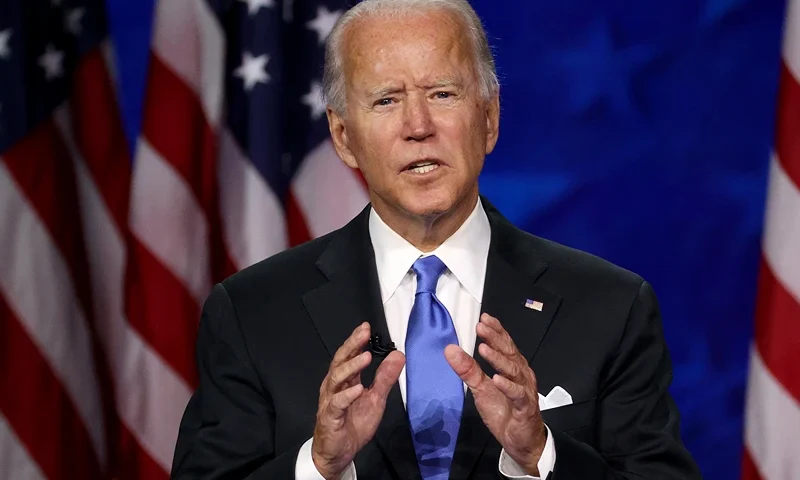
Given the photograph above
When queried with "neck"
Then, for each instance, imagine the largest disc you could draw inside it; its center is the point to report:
(428, 232)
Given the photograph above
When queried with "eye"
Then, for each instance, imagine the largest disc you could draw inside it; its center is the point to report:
(443, 95)
(383, 102)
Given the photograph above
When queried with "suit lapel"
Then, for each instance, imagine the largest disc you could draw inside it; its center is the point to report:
(350, 297)
(511, 273)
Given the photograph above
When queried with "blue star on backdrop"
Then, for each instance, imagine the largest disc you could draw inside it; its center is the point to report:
(601, 73)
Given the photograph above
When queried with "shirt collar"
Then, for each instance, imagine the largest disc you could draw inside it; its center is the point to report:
(465, 253)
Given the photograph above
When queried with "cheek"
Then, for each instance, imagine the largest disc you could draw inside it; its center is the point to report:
(479, 133)
(372, 154)
(380, 143)
(466, 136)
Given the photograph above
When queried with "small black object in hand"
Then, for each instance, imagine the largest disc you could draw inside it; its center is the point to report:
(377, 347)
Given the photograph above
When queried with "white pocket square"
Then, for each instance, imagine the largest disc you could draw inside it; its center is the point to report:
(558, 397)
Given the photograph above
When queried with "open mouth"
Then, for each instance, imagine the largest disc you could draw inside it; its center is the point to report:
(423, 166)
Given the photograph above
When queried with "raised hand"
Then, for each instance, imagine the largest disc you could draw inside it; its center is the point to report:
(348, 415)
(508, 403)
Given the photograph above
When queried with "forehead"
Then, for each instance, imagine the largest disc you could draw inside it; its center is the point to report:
(383, 47)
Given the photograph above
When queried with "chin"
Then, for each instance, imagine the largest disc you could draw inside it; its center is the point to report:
(429, 205)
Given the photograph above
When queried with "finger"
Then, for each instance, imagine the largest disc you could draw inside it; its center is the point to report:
(351, 347)
(490, 330)
(346, 374)
(508, 366)
(337, 407)
(492, 322)
(466, 367)
(514, 392)
(387, 374)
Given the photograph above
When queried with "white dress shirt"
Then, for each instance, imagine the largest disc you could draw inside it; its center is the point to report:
(460, 289)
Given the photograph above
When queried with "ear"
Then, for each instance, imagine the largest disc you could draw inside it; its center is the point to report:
(492, 122)
(338, 129)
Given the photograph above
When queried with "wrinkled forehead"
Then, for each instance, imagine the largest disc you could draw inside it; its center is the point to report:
(378, 46)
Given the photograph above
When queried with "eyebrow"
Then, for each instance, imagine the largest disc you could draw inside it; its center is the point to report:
(444, 82)
(383, 91)
(380, 92)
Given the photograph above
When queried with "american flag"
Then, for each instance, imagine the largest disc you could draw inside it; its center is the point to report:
(772, 430)
(104, 261)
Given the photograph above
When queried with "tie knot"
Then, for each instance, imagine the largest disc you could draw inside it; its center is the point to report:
(428, 270)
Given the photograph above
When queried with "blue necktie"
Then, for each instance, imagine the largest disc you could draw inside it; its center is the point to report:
(434, 393)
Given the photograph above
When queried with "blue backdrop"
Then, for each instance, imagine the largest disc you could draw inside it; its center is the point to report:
(638, 131)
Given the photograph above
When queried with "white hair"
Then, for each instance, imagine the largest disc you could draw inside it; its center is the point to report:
(333, 82)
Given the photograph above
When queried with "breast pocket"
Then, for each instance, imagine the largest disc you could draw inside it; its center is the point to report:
(570, 417)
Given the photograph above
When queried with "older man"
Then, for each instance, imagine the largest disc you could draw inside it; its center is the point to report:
(483, 316)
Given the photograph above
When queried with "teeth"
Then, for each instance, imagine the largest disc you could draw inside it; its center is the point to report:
(425, 168)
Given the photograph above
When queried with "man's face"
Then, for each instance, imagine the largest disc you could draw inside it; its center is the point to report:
(416, 124)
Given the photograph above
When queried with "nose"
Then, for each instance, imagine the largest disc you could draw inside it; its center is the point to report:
(418, 120)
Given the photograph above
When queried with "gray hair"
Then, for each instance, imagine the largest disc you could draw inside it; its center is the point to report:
(333, 82)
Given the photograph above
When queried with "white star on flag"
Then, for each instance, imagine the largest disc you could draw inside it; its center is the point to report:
(314, 100)
(324, 23)
(5, 50)
(252, 70)
(73, 21)
(52, 61)
(253, 6)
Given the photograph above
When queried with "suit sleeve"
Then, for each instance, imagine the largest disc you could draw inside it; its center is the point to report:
(638, 427)
(227, 430)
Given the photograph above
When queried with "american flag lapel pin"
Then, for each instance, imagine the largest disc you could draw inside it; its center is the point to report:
(534, 305)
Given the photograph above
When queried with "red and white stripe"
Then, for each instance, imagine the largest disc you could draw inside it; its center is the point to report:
(61, 419)
(171, 257)
(772, 419)
(199, 211)
(16, 461)
(103, 269)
